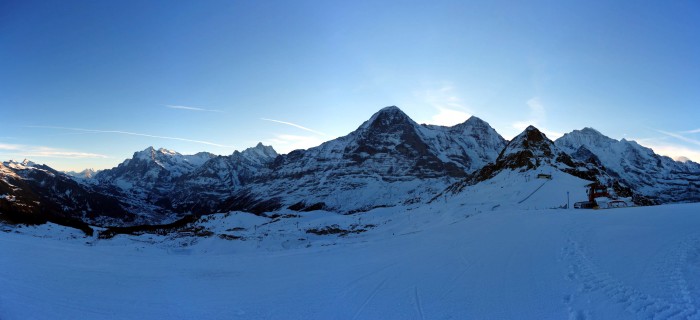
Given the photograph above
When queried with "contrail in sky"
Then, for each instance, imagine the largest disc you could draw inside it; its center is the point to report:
(135, 134)
(41, 151)
(680, 137)
(296, 126)
(191, 108)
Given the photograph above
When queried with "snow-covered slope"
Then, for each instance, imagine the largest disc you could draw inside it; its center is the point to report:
(388, 160)
(528, 151)
(151, 171)
(643, 170)
(432, 262)
(33, 193)
(533, 173)
(85, 174)
(145, 181)
(221, 177)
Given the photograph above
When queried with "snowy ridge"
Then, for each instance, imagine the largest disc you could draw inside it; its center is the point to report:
(150, 174)
(36, 193)
(221, 177)
(388, 160)
(85, 174)
(639, 167)
(533, 173)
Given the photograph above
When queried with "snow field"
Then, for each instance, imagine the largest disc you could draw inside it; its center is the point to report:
(432, 262)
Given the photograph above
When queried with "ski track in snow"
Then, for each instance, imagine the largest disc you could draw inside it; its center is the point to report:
(591, 279)
(369, 299)
(418, 304)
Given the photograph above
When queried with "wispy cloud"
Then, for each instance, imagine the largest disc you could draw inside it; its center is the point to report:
(192, 108)
(679, 137)
(449, 107)
(135, 134)
(285, 143)
(664, 145)
(295, 125)
(28, 151)
(692, 131)
(537, 116)
(671, 150)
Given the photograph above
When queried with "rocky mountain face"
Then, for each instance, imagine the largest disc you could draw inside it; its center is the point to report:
(151, 173)
(85, 174)
(531, 150)
(647, 173)
(220, 178)
(389, 160)
(31, 193)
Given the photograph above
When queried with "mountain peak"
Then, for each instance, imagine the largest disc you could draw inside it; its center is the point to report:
(152, 153)
(387, 118)
(19, 165)
(260, 151)
(531, 135)
(589, 130)
(390, 109)
(474, 120)
(529, 144)
(145, 154)
(167, 151)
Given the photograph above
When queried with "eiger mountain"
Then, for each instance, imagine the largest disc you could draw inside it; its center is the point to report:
(388, 160)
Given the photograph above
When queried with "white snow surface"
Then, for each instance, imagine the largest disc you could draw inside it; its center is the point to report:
(524, 190)
(441, 261)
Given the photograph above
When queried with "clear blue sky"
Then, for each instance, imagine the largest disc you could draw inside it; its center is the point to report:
(87, 83)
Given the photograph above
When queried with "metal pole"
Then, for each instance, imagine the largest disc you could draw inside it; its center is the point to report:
(567, 200)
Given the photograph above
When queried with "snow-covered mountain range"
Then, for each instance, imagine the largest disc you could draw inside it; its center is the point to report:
(388, 160)
(648, 173)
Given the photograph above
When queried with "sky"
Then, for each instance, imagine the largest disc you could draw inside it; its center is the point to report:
(85, 84)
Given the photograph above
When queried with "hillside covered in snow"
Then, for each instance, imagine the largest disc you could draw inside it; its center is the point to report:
(396, 220)
(457, 260)
(389, 160)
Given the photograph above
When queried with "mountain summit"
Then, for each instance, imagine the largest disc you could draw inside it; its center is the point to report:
(388, 160)
(640, 168)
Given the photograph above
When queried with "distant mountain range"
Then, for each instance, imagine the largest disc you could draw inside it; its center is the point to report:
(389, 160)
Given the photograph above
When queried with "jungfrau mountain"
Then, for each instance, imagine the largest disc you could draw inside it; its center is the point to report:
(658, 177)
(388, 160)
